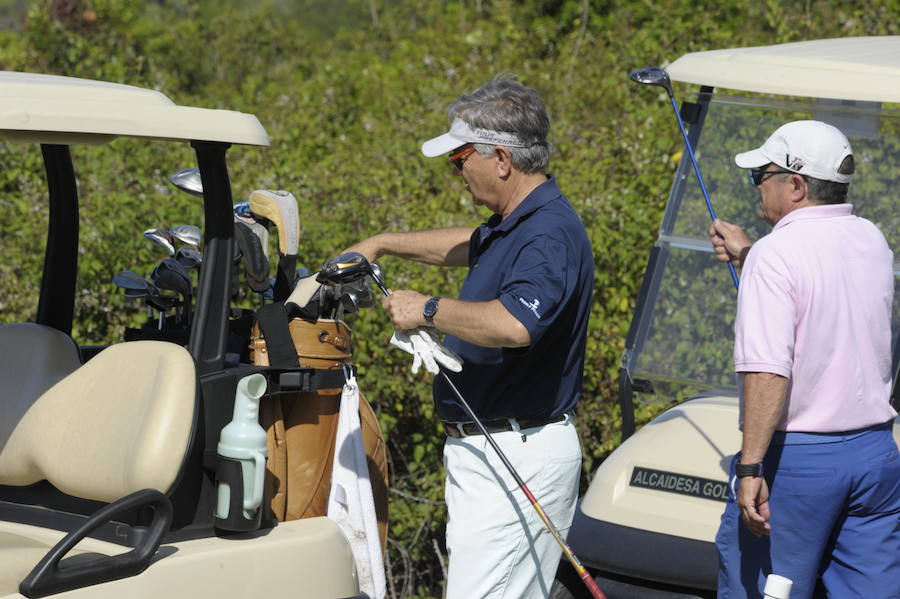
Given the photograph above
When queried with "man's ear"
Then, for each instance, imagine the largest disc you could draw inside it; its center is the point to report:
(504, 161)
(799, 188)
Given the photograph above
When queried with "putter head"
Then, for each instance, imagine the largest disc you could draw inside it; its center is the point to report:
(188, 180)
(652, 76)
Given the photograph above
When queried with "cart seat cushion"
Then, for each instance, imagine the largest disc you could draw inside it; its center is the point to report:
(34, 358)
(120, 423)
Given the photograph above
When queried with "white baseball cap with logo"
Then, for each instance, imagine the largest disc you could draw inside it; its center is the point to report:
(462, 133)
(810, 148)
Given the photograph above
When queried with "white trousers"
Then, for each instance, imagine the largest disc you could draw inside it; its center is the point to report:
(498, 545)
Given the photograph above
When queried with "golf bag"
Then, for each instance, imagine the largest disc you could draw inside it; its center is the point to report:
(302, 426)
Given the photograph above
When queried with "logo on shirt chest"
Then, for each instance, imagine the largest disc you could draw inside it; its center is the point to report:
(533, 306)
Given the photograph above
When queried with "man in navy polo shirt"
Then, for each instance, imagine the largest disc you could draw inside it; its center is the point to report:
(520, 327)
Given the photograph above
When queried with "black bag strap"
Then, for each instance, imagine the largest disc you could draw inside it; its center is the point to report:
(273, 324)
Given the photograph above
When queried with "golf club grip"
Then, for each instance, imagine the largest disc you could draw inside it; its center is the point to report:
(696, 165)
(582, 572)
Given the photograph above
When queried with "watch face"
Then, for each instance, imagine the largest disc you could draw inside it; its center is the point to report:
(431, 307)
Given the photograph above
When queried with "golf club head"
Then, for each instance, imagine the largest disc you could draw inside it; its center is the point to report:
(188, 180)
(652, 76)
(170, 275)
(135, 293)
(256, 265)
(187, 234)
(344, 268)
(162, 302)
(161, 238)
(365, 297)
(349, 301)
(378, 278)
(189, 258)
(131, 282)
(242, 209)
(280, 207)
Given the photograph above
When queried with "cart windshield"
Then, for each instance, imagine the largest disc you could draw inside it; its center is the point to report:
(683, 343)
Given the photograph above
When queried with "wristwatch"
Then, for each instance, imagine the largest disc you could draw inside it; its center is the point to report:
(748, 470)
(430, 309)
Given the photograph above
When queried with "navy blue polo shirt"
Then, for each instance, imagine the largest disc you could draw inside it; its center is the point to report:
(538, 263)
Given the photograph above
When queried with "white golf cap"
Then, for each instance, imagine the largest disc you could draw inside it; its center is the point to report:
(810, 148)
(461, 133)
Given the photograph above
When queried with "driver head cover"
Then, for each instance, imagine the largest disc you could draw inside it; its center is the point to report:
(810, 148)
(281, 208)
(461, 133)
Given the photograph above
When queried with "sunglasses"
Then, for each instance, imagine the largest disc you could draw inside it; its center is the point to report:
(457, 160)
(758, 175)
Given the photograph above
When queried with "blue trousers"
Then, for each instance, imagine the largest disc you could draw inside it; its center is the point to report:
(835, 514)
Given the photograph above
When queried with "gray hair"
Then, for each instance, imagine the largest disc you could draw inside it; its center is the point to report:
(506, 105)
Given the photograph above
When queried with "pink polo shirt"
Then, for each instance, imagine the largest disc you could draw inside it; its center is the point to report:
(815, 306)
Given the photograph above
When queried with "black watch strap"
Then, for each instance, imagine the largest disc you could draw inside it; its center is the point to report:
(748, 470)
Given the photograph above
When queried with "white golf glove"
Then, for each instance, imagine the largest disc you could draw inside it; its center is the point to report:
(426, 350)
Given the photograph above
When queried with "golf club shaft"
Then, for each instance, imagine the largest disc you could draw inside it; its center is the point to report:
(585, 576)
(709, 206)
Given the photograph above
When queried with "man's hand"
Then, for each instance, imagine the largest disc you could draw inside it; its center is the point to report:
(753, 499)
(404, 306)
(729, 242)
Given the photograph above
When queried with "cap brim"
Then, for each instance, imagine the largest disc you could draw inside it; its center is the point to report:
(752, 159)
(441, 144)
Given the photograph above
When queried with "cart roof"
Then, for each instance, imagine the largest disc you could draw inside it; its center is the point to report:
(68, 110)
(850, 68)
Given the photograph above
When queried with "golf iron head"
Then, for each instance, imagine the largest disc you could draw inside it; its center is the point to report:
(187, 234)
(161, 238)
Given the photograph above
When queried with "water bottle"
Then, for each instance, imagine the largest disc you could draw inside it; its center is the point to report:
(242, 460)
(777, 587)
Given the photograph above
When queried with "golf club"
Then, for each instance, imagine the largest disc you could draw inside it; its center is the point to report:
(187, 234)
(172, 276)
(659, 77)
(134, 285)
(350, 267)
(585, 576)
(280, 207)
(188, 180)
(161, 238)
(256, 265)
(189, 258)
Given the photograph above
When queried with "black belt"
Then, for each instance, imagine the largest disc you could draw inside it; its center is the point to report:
(464, 429)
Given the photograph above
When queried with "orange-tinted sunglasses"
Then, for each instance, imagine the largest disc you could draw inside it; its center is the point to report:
(459, 159)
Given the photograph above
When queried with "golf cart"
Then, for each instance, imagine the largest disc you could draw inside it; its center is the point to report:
(110, 481)
(647, 524)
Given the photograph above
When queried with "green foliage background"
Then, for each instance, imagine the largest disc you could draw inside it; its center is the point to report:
(347, 90)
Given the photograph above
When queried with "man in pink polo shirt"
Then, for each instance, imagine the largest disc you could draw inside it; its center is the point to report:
(816, 487)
